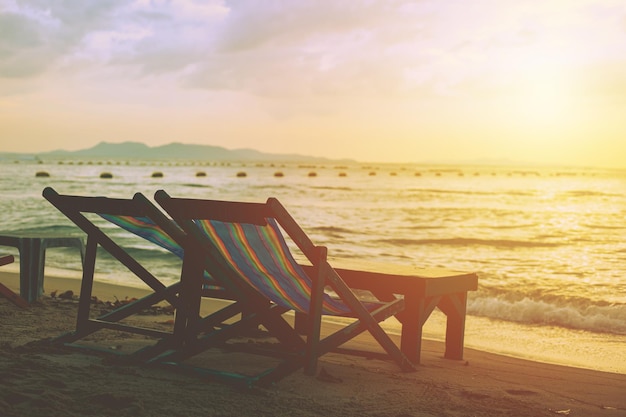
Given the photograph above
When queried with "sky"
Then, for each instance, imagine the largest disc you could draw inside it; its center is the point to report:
(377, 81)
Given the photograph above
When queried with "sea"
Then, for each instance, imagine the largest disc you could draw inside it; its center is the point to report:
(548, 243)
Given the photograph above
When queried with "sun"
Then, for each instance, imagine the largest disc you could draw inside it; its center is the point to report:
(543, 94)
(542, 90)
(546, 99)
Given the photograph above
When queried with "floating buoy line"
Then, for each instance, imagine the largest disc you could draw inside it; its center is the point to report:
(314, 170)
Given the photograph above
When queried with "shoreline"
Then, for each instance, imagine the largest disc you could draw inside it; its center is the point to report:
(481, 334)
(44, 381)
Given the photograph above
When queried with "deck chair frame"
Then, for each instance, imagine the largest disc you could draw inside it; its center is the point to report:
(184, 211)
(187, 320)
(74, 208)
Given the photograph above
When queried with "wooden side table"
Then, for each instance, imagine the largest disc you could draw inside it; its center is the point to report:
(32, 250)
(423, 291)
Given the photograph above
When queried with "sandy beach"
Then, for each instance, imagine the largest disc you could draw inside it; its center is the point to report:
(42, 379)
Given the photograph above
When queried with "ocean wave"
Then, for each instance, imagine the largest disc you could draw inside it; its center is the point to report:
(332, 230)
(332, 188)
(146, 253)
(607, 318)
(266, 186)
(470, 242)
(588, 193)
(42, 229)
(196, 185)
(509, 226)
(499, 193)
(424, 226)
(611, 226)
(447, 191)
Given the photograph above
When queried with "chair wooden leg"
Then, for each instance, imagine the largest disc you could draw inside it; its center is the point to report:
(86, 285)
(188, 310)
(315, 314)
(301, 323)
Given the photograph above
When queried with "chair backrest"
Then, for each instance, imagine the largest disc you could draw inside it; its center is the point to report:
(136, 215)
(245, 239)
(146, 228)
(263, 260)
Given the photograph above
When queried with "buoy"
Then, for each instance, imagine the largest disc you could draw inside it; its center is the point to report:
(106, 175)
(42, 174)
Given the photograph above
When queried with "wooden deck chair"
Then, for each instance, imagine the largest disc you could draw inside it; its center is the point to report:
(243, 243)
(141, 217)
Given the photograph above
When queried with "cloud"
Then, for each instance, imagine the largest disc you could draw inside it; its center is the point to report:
(282, 23)
(166, 37)
(296, 48)
(16, 31)
(35, 35)
(273, 48)
(312, 47)
(17, 35)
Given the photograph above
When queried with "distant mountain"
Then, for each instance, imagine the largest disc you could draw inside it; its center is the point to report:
(137, 150)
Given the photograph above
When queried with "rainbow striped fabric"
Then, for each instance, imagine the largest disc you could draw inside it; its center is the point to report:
(258, 254)
(147, 229)
(261, 257)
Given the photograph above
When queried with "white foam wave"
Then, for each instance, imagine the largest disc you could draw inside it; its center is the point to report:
(606, 319)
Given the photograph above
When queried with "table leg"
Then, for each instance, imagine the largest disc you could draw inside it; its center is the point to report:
(411, 337)
(454, 306)
(31, 268)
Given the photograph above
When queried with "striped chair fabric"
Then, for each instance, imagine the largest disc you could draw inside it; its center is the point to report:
(261, 257)
(147, 229)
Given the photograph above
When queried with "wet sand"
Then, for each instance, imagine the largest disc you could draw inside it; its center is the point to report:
(40, 379)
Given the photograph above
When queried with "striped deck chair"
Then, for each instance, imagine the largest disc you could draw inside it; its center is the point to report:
(138, 216)
(244, 244)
